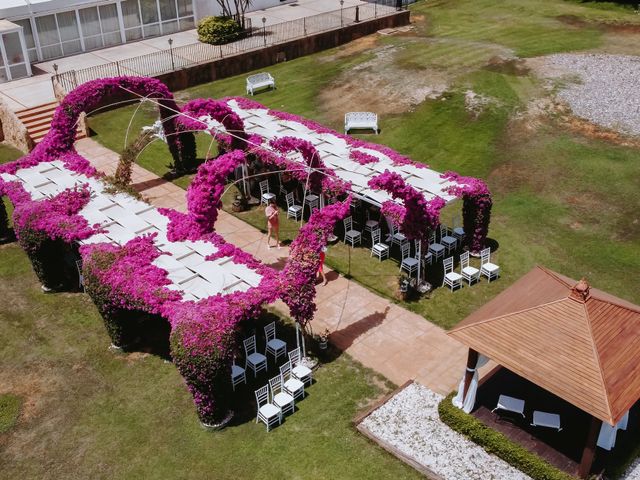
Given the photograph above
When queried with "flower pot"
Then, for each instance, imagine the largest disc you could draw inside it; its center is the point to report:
(323, 343)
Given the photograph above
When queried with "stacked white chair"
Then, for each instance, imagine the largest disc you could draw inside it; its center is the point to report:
(80, 275)
(293, 210)
(469, 273)
(351, 235)
(435, 249)
(408, 263)
(265, 194)
(238, 375)
(298, 370)
(280, 398)
(451, 278)
(275, 346)
(378, 248)
(268, 413)
(449, 241)
(253, 360)
(371, 224)
(488, 269)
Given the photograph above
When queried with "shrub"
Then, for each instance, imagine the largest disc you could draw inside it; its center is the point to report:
(497, 444)
(218, 30)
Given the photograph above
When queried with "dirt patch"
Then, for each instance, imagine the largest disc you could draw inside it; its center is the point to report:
(355, 47)
(33, 388)
(615, 27)
(379, 86)
(509, 66)
(588, 129)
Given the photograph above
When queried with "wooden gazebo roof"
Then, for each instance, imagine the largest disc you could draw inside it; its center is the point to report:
(577, 342)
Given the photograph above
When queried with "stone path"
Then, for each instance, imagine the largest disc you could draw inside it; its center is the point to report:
(381, 335)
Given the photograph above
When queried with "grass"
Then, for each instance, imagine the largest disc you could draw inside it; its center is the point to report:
(9, 411)
(561, 199)
(90, 413)
(8, 153)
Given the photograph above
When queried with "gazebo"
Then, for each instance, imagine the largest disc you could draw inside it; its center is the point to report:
(577, 342)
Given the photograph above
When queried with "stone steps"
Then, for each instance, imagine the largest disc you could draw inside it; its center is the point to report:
(38, 121)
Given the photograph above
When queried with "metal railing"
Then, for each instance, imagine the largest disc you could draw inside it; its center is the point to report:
(172, 59)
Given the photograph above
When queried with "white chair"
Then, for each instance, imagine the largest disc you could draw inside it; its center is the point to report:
(371, 224)
(290, 384)
(488, 269)
(397, 238)
(408, 263)
(298, 370)
(238, 375)
(293, 210)
(80, 275)
(275, 346)
(281, 399)
(350, 235)
(435, 249)
(378, 248)
(447, 240)
(457, 230)
(451, 278)
(468, 272)
(267, 413)
(312, 201)
(254, 360)
(265, 194)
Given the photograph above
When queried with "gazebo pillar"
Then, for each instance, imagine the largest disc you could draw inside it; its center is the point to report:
(589, 448)
(472, 361)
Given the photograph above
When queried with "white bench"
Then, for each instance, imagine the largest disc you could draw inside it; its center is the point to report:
(260, 80)
(360, 120)
(510, 404)
(546, 419)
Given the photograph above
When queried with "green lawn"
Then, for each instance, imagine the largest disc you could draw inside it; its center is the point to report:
(89, 413)
(561, 200)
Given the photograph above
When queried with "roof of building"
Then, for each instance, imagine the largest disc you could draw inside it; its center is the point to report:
(578, 342)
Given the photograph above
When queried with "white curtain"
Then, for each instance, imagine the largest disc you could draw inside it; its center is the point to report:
(608, 433)
(470, 400)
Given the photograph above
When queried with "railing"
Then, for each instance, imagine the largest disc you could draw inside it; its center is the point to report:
(172, 59)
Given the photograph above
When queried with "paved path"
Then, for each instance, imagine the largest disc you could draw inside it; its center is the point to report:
(381, 335)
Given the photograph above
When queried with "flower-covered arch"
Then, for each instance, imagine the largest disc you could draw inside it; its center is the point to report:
(126, 278)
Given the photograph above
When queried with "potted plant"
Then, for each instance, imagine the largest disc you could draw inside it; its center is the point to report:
(239, 204)
(323, 339)
(404, 283)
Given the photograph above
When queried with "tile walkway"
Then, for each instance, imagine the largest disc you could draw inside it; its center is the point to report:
(399, 344)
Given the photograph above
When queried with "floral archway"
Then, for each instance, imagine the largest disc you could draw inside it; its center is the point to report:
(123, 278)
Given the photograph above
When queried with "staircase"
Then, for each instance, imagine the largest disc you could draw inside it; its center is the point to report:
(38, 121)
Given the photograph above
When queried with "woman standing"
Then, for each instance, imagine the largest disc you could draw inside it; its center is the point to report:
(320, 274)
(273, 225)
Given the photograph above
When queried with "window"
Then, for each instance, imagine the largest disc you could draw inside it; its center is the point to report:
(131, 19)
(69, 33)
(28, 38)
(48, 36)
(110, 24)
(90, 25)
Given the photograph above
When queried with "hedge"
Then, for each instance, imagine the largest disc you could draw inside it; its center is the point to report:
(497, 444)
(218, 30)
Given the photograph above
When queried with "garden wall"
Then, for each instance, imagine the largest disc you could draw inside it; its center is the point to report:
(248, 61)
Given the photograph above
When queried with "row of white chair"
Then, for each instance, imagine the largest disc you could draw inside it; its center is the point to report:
(467, 272)
(279, 395)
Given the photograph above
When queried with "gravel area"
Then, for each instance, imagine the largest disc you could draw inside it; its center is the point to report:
(410, 422)
(608, 93)
(633, 472)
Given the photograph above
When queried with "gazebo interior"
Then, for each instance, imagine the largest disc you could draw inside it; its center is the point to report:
(563, 448)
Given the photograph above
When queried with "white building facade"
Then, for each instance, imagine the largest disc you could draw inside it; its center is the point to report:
(38, 30)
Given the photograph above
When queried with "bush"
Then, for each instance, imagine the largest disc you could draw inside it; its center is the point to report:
(218, 30)
(497, 444)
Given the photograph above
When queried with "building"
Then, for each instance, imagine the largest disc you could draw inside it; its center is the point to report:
(37, 30)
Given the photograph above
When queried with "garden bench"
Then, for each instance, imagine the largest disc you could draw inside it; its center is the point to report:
(260, 80)
(360, 120)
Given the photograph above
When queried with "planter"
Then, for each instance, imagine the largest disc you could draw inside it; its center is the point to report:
(323, 343)
(220, 425)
